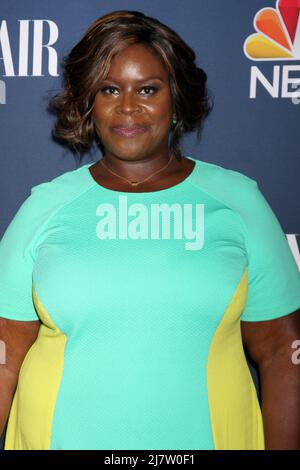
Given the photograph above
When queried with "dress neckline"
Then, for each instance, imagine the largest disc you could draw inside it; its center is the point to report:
(176, 186)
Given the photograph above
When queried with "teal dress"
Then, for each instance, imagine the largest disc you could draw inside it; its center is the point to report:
(140, 298)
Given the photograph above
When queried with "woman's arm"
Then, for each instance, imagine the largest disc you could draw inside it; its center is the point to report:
(269, 344)
(17, 337)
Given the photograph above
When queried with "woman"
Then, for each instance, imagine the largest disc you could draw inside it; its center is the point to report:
(149, 271)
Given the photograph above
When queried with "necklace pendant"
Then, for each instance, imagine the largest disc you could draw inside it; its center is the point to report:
(134, 183)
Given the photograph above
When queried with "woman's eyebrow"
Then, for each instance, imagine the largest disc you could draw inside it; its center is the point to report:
(137, 81)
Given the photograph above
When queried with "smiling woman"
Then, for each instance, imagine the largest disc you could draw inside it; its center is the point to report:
(131, 123)
(128, 60)
(141, 268)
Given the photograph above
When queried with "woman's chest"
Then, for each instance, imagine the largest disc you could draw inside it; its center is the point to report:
(109, 262)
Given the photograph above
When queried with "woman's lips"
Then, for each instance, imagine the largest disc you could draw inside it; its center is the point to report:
(129, 131)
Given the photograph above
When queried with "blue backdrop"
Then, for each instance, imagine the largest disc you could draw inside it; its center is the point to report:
(254, 127)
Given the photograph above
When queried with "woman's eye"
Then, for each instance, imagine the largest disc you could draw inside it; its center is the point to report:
(107, 88)
(143, 88)
(150, 88)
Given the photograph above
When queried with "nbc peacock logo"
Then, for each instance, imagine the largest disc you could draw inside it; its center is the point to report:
(278, 33)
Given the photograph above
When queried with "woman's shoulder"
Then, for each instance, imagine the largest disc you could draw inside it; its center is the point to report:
(48, 197)
(65, 185)
(216, 173)
(227, 184)
(236, 190)
(60, 190)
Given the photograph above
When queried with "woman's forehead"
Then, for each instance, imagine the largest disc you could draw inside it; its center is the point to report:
(138, 63)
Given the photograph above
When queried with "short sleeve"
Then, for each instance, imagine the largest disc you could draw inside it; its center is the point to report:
(273, 275)
(16, 265)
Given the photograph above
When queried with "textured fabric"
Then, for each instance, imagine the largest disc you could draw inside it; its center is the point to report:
(140, 296)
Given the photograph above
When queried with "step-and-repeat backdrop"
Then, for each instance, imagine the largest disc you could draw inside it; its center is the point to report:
(250, 51)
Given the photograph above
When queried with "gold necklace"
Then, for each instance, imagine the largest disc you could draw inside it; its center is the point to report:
(135, 183)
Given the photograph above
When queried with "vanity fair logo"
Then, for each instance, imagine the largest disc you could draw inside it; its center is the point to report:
(27, 49)
(162, 221)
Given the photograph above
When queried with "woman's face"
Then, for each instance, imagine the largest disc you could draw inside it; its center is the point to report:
(136, 92)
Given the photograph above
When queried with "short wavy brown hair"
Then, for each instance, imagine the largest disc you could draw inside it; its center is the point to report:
(88, 64)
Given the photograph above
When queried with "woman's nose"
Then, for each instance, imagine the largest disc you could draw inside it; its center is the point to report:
(129, 101)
